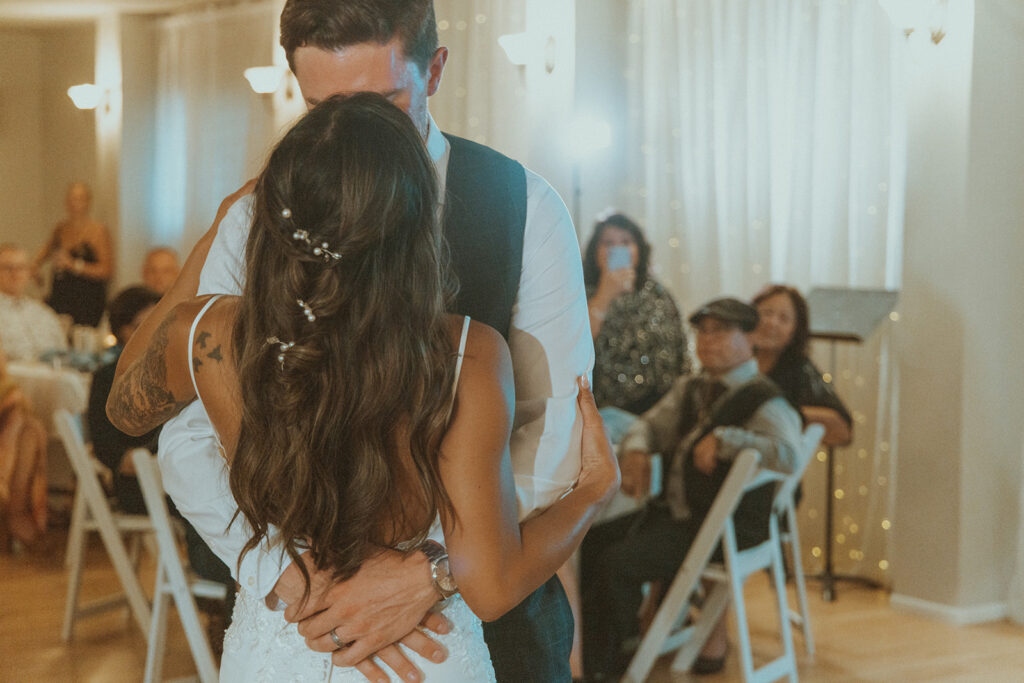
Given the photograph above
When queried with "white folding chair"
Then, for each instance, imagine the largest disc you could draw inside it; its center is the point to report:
(92, 512)
(172, 582)
(666, 633)
(809, 443)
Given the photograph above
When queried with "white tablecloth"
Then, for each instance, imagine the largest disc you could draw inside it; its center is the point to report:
(49, 388)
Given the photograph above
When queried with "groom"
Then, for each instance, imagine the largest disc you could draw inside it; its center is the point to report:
(515, 254)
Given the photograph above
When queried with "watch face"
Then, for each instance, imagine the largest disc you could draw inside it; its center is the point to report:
(445, 580)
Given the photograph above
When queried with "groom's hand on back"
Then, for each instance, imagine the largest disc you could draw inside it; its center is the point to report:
(382, 605)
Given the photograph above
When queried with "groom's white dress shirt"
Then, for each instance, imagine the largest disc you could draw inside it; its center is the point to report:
(550, 344)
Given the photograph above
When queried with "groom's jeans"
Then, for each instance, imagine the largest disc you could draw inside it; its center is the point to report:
(532, 642)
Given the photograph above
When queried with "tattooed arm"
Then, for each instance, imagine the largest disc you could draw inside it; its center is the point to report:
(145, 397)
(156, 385)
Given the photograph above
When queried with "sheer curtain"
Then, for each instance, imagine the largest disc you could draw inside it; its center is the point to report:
(212, 131)
(524, 110)
(767, 145)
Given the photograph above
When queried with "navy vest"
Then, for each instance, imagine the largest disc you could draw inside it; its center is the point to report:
(484, 220)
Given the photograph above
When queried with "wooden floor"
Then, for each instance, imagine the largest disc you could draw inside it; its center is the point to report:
(859, 638)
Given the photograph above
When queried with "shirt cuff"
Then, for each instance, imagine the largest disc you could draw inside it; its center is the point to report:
(730, 442)
(261, 567)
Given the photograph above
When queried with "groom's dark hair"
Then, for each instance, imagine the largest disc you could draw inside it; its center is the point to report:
(334, 24)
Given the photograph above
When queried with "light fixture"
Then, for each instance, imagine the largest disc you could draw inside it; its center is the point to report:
(264, 79)
(517, 47)
(86, 95)
(520, 48)
(918, 15)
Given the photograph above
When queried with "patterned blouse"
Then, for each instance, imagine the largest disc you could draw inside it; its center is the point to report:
(640, 350)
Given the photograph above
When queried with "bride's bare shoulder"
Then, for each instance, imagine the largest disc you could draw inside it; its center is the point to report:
(486, 365)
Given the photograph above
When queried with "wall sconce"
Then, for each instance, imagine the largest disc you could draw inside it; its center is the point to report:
(520, 48)
(264, 79)
(86, 95)
(914, 15)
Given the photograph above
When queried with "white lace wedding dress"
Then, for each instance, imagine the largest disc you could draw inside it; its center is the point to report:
(261, 647)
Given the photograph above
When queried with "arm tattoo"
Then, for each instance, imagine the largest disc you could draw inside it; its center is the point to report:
(140, 399)
(198, 345)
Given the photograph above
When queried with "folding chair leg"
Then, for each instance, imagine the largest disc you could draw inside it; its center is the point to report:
(76, 532)
(713, 609)
(201, 652)
(157, 630)
(122, 565)
(779, 581)
(798, 579)
(739, 604)
(75, 560)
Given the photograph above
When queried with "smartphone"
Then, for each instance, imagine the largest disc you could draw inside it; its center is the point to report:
(619, 257)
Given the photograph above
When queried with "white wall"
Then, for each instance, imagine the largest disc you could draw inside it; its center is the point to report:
(45, 143)
(69, 134)
(21, 138)
(994, 313)
(962, 327)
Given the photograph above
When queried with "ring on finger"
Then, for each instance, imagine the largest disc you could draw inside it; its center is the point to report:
(336, 639)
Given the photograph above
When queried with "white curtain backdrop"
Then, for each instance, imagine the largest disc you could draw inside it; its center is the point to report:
(212, 131)
(481, 91)
(767, 145)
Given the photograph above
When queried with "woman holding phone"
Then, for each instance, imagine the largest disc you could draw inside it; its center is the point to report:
(638, 334)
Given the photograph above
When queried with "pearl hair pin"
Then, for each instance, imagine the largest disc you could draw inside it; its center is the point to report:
(282, 348)
(306, 310)
(323, 249)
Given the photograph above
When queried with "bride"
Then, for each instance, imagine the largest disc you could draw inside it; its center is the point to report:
(355, 414)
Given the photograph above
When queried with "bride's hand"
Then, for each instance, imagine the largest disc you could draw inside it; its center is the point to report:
(599, 469)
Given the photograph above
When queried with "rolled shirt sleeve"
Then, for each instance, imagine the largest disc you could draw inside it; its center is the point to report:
(773, 430)
(551, 345)
(657, 430)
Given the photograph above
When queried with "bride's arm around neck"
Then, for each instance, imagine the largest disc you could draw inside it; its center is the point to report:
(496, 561)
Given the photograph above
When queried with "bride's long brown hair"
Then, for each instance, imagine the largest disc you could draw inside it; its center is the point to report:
(328, 424)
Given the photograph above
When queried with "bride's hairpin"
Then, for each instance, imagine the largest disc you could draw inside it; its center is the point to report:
(306, 310)
(323, 249)
(282, 348)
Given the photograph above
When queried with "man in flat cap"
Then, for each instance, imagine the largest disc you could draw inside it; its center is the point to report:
(699, 426)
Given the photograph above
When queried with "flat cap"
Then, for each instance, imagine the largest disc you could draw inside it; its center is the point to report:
(728, 310)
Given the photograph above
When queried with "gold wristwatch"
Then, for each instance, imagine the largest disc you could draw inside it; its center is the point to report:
(440, 573)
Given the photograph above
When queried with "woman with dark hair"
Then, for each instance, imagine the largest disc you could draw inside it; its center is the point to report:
(639, 343)
(780, 344)
(356, 415)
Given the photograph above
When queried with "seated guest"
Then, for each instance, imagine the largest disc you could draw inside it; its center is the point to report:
(110, 445)
(700, 426)
(28, 328)
(780, 345)
(639, 345)
(22, 465)
(160, 269)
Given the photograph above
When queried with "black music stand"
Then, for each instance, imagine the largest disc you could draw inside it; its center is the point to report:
(843, 315)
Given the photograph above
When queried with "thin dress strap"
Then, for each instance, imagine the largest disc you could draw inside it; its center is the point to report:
(462, 352)
(192, 334)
